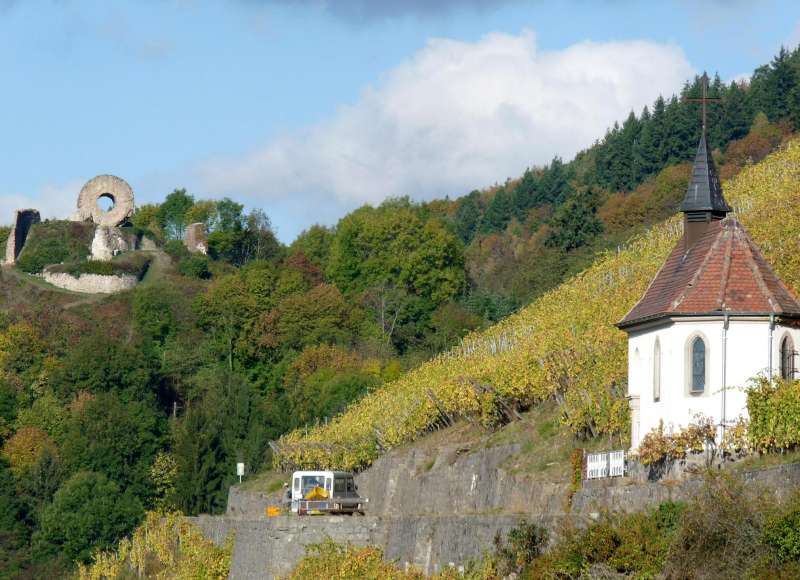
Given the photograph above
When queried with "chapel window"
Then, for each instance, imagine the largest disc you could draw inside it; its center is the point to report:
(657, 371)
(698, 369)
(787, 358)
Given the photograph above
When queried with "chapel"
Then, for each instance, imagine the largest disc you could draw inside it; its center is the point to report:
(715, 316)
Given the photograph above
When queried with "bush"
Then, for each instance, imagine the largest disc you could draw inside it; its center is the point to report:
(164, 546)
(522, 545)
(657, 446)
(636, 545)
(195, 267)
(331, 560)
(782, 533)
(774, 409)
(4, 233)
(87, 512)
(176, 250)
(720, 531)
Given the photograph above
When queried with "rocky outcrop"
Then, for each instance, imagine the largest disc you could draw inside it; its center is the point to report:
(23, 221)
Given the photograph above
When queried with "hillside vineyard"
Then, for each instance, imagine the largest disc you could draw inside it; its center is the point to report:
(563, 344)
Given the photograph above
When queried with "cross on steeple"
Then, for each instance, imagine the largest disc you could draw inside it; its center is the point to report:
(704, 99)
(704, 202)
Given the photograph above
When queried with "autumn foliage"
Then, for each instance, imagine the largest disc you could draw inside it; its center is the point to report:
(563, 345)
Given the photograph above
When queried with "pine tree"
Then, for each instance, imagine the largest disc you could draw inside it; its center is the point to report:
(736, 115)
(554, 184)
(625, 169)
(525, 194)
(498, 213)
(468, 217)
(575, 224)
(781, 80)
(682, 123)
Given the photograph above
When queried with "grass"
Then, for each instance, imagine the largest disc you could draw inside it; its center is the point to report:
(545, 444)
(129, 263)
(269, 482)
(755, 462)
(55, 242)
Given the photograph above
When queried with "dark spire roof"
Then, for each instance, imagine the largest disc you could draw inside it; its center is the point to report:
(704, 192)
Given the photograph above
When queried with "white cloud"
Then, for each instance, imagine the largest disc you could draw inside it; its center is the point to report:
(455, 117)
(52, 201)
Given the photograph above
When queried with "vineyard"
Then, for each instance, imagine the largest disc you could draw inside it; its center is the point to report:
(562, 346)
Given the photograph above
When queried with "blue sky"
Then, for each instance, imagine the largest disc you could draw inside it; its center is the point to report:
(308, 109)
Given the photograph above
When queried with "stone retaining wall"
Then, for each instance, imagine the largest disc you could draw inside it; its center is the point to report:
(91, 283)
(448, 512)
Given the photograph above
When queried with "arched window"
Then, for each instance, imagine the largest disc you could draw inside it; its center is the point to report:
(787, 358)
(698, 376)
(657, 371)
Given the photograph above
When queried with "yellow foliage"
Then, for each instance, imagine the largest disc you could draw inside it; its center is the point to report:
(165, 546)
(24, 448)
(348, 562)
(564, 344)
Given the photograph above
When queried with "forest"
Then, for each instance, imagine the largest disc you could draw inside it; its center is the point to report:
(146, 400)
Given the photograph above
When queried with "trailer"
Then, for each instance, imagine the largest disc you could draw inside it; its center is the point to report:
(325, 492)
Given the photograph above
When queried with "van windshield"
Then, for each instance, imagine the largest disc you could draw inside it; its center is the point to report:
(309, 482)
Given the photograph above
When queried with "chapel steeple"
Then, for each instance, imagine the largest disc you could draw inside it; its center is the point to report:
(704, 201)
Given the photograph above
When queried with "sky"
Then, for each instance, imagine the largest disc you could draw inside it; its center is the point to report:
(308, 109)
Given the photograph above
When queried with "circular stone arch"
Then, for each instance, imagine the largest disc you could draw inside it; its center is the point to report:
(113, 188)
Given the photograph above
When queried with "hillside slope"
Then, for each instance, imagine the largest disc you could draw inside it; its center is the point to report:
(563, 345)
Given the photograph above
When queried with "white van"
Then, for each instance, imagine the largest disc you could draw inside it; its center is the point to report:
(336, 492)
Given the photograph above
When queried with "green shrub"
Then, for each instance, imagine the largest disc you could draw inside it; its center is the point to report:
(89, 511)
(195, 267)
(176, 250)
(523, 544)
(774, 409)
(635, 544)
(782, 533)
(720, 531)
(4, 233)
(55, 242)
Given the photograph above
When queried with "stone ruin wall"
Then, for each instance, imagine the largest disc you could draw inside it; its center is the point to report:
(23, 220)
(91, 283)
(196, 238)
(109, 241)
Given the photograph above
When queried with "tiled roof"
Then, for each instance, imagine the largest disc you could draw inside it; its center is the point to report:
(724, 271)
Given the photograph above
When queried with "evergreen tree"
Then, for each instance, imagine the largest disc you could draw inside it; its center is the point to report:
(683, 129)
(468, 217)
(736, 115)
(575, 223)
(624, 167)
(525, 194)
(781, 81)
(498, 213)
(554, 184)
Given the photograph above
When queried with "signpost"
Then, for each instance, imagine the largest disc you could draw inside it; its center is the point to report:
(240, 471)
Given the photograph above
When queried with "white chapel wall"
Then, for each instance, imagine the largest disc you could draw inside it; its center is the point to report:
(748, 351)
